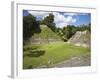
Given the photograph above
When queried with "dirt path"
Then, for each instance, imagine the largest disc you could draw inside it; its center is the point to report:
(75, 62)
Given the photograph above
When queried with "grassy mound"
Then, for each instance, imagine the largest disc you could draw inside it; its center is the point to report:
(45, 35)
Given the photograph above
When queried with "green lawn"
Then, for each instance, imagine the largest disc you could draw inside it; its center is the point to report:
(49, 54)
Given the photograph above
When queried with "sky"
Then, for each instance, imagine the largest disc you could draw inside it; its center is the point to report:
(62, 19)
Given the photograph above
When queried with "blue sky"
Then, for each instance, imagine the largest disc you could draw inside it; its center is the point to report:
(62, 19)
(83, 19)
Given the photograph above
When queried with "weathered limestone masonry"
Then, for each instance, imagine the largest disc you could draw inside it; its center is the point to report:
(81, 38)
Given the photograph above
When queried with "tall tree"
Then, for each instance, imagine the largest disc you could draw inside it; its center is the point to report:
(30, 26)
(49, 21)
(68, 31)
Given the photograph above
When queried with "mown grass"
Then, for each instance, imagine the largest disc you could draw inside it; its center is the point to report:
(46, 33)
(53, 53)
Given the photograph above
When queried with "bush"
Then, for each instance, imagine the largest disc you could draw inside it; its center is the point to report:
(36, 53)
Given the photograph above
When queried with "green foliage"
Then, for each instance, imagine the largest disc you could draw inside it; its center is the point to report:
(66, 32)
(69, 30)
(46, 33)
(30, 26)
(35, 53)
(84, 27)
(49, 21)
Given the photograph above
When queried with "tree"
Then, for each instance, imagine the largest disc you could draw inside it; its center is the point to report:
(30, 26)
(68, 32)
(49, 21)
(84, 27)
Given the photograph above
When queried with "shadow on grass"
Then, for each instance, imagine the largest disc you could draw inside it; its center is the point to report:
(30, 67)
(35, 53)
(30, 48)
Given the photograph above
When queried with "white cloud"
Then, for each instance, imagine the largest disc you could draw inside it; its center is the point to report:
(70, 14)
(74, 14)
(39, 13)
(60, 19)
(69, 19)
(74, 20)
(61, 25)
